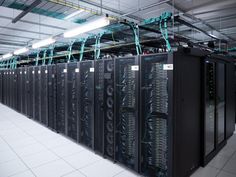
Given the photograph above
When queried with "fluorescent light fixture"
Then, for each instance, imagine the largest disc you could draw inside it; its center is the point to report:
(20, 51)
(73, 14)
(43, 43)
(101, 22)
(8, 55)
(212, 35)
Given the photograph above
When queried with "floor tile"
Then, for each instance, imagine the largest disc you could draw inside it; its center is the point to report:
(7, 155)
(206, 172)
(56, 142)
(225, 174)
(22, 143)
(74, 174)
(11, 168)
(30, 149)
(227, 151)
(82, 159)
(67, 150)
(53, 169)
(127, 173)
(39, 158)
(230, 166)
(219, 161)
(27, 173)
(102, 168)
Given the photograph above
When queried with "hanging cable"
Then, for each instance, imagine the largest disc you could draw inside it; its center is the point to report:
(97, 49)
(44, 57)
(37, 59)
(51, 56)
(82, 49)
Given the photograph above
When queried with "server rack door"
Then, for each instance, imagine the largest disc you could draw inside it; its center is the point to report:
(15, 90)
(126, 111)
(27, 84)
(52, 94)
(24, 72)
(154, 115)
(214, 118)
(31, 92)
(44, 95)
(20, 94)
(230, 99)
(86, 106)
(99, 107)
(61, 125)
(72, 97)
(220, 101)
(37, 93)
(9, 88)
(109, 118)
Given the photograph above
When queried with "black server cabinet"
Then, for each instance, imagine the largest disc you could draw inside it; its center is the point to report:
(170, 105)
(72, 103)
(126, 111)
(61, 120)
(52, 96)
(19, 90)
(86, 103)
(230, 99)
(37, 93)
(15, 89)
(23, 87)
(30, 101)
(44, 95)
(1, 85)
(104, 108)
(28, 87)
(214, 108)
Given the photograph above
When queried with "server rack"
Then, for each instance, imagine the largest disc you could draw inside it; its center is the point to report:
(37, 93)
(24, 90)
(19, 89)
(14, 89)
(170, 114)
(126, 111)
(86, 104)
(52, 96)
(214, 108)
(230, 99)
(44, 95)
(104, 108)
(61, 119)
(27, 91)
(72, 97)
(31, 105)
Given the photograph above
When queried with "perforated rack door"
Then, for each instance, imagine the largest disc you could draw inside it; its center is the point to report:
(61, 98)
(154, 115)
(31, 92)
(44, 94)
(52, 96)
(86, 103)
(1, 85)
(37, 93)
(126, 111)
(72, 94)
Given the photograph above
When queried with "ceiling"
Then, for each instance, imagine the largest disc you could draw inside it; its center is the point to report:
(216, 17)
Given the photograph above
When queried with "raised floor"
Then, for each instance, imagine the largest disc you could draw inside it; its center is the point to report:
(28, 149)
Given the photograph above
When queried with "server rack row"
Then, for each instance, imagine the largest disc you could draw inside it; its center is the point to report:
(143, 111)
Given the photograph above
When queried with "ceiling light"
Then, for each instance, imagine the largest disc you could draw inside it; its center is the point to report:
(43, 43)
(20, 51)
(8, 55)
(212, 35)
(101, 22)
(73, 14)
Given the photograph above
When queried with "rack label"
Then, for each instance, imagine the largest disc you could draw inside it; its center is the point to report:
(77, 70)
(25, 72)
(135, 68)
(65, 71)
(91, 70)
(32, 72)
(46, 71)
(39, 72)
(168, 67)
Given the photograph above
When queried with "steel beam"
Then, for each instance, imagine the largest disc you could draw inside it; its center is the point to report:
(26, 11)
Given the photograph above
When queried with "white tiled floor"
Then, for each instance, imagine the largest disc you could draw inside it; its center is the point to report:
(28, 149)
